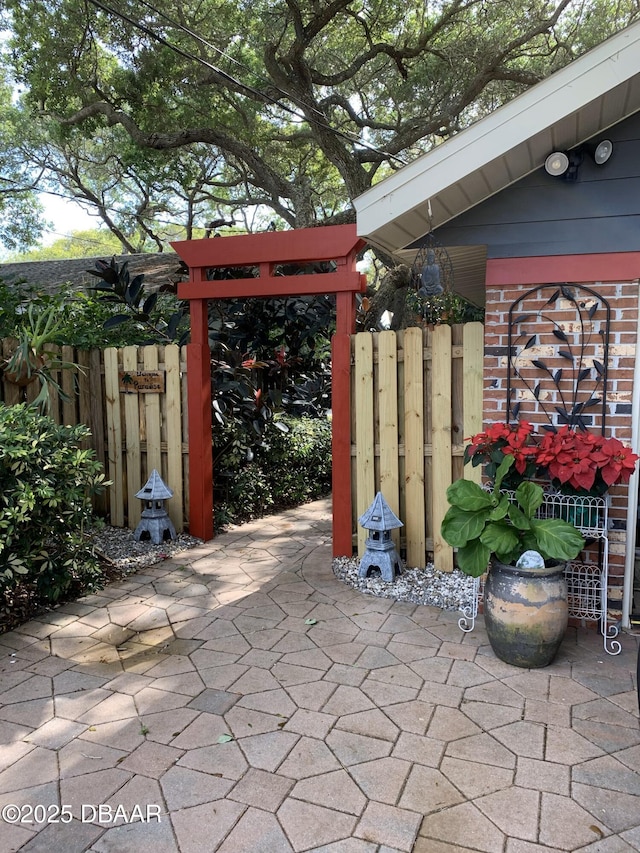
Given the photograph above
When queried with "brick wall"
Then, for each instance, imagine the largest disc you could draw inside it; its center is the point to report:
(539, 407)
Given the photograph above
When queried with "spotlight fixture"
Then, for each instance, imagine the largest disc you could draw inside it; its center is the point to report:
(564, 164)
(556, 164)
(603, 151)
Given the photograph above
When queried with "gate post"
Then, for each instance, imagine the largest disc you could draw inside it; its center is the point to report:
(199, 411)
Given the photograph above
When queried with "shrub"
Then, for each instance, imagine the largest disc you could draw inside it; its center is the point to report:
(286, 469)
(46, 480)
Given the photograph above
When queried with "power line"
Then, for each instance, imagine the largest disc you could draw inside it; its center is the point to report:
(349, 137)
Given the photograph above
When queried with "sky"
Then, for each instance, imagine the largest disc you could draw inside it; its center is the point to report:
(66, 216)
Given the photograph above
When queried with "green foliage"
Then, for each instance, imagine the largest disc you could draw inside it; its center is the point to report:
(33, 357)
(448, 308)
(287, 469)
(301, 107)
(480, 523)
(136, 305)
(46, 480)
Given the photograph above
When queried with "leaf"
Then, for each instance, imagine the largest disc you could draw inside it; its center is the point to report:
(563, 353)
(224, 739)
(586, 371)
(553, 298)
(537, 363)
(536, 391)
(150, 303)
(530, 497)
(499, 537)
(518, 518)
(558, 333)
(557, 539)
(515, 410)
(522, 318)
(530, 342)
(473, 559)
(310, 621)
(460, 527)
(599, 366)
(557, 376)
(469, 496)
(116, 320)
(501, 510)
(592, 401)
(593, 310)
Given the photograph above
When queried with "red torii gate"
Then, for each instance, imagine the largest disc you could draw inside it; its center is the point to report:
(266, 251)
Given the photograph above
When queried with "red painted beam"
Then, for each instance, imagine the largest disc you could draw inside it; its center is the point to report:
(621, 266)
(341, 444)
(304, 244)
(199, 412)
(294, 285)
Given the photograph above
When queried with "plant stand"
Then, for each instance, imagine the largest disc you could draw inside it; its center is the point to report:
(586, 582)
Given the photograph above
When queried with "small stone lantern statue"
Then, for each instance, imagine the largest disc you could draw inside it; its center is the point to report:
(380, 520)
(155, 520)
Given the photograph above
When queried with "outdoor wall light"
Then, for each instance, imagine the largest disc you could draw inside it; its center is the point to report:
(601, 152)
(556, 164)
(564, 164)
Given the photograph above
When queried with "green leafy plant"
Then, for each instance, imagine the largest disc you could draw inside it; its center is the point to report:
(285, 469)
(138, 305)
(34, 357)
(483, 523)
(46, 483)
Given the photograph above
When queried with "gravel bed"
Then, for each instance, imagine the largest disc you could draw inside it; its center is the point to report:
(117, 547)
(446, 590)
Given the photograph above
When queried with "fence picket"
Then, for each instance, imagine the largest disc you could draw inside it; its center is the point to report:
(173, 421)
(414, 447)
(387, 390)
(114, 437)
(130, 405)
(152, 417)
(441, 442)
(472, 360)
(365, 446)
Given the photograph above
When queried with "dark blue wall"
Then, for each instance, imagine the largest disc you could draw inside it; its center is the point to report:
(542, 215)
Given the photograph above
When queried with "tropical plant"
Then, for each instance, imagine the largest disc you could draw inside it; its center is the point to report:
(482, 524)
(138, 305)
(34, 356)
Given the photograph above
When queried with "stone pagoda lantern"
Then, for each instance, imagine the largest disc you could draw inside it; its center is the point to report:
(381, 553)
(155, 521)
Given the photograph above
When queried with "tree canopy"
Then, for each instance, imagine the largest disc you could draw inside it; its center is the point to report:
(207, 109)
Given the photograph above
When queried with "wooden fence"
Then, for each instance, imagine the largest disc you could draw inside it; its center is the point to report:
(132, 432)
(416, 395)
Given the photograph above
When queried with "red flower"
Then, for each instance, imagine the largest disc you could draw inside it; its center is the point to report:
(585, 461)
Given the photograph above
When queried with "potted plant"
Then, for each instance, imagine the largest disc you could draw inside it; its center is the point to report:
(525, 597)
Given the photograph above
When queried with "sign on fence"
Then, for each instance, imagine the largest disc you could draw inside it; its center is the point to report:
(141, 381)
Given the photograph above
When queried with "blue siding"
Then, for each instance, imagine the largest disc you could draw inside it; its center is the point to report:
(541, 215)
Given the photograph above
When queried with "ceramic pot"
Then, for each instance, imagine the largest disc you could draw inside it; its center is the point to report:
(526, 613)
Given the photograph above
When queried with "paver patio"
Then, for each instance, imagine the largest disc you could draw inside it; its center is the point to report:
(246, 701)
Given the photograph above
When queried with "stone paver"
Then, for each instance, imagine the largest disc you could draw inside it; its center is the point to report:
(197, 705)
